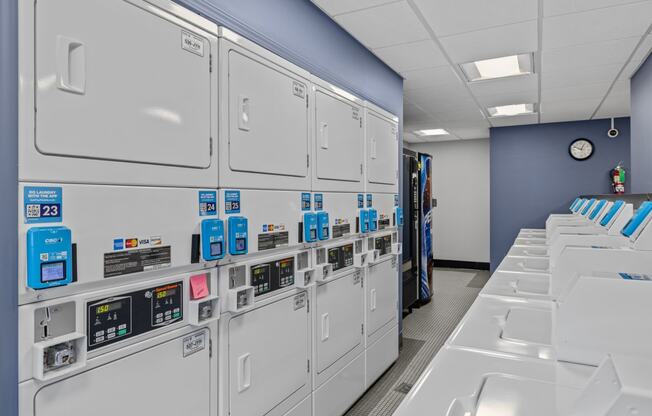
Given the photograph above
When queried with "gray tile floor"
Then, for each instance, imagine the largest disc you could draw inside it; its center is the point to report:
(424, 333)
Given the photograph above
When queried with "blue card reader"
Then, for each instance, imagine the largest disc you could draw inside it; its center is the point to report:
(49, 257)
(323, 225)
(373, 219)
(310, 227)
(212, 239)
(238, 235)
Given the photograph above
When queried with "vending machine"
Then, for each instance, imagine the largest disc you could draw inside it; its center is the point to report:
(425, 228)
(410, 265)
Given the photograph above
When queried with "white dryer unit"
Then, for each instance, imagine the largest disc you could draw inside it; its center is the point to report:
(381, 149)
(121, 106)
(265, 331)
(337, 139)
(338, 346)
(382, 211)
(113, 233)
(342, 209)
(381, 305)
(129, 349)
(264, 118)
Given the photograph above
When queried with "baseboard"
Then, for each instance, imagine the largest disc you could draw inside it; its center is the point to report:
(456, 264)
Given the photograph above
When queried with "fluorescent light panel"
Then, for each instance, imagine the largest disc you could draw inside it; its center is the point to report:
(510, 110)
(431, 132)
(502, 67)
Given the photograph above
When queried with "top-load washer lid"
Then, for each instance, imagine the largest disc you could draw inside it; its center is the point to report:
(588, 206)
(615, 208)
(597, 209)
(639, 217)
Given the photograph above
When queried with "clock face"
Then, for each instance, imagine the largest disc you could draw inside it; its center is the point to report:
(581, 149)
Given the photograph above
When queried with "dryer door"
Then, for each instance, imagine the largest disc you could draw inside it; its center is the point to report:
(382, 150)
(382, 295)
(157, 381)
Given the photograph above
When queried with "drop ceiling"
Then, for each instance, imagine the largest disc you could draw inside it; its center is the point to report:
(584, 52)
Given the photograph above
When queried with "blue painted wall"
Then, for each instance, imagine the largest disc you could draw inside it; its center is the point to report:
(532, 174)
(8, 210)
(641, 109)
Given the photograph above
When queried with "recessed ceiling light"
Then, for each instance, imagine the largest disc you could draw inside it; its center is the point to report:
(510, 110)
(431, 132)
(505, 66)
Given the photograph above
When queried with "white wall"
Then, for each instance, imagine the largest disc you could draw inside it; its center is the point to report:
(461, 186)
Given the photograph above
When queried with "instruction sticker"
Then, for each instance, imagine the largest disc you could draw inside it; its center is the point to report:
(360, 201)
(207, 203)
(305, 201)
(194, 343)
(369, 201)
(356, 113)
(192, 43)
(232, 202)
(134, 261)
(298, 89)
(319, 202)
(300, 301)
(43, 204)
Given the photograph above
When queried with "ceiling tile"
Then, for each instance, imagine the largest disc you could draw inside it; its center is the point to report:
(643, 50)
(442, 98)
(448, 17)
(568, 110)
(580, 75)
(629, 70)
(505, 85)
(469, 113)
(556, 7)
(575, 92)
(430, 77)
(519, 97)
(471, 133)
(592, 54)
(617, 105)
(442, 138)
(492, 43)
(390, 24)
(456, 125)
(413, 55)
(621, 88)
(514, 120)
(597, 25)
(333, 7)
(414, 114)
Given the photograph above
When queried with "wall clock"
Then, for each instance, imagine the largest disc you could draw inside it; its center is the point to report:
(581, 149)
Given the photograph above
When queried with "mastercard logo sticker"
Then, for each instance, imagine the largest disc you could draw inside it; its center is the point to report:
(131, 242)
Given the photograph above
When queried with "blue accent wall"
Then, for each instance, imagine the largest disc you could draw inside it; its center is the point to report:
(641, 109)
(533, 175)
(8, 207)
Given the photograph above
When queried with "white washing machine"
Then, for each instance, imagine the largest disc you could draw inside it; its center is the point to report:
(381, 150)
(265, 336)
(338, 139)
(84, 119)
(338, 345)
(381, 304)
(141, 348)
(110, 234)
(264, 118)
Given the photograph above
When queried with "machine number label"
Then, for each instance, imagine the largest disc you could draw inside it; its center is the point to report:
(232, 202)
(356, 113)
(194, 343)
(319, 202)
(360, 201)
(305, 201)
(42, 204)
(207, 203)
(370, 201)
(298, 89)
(357, 277)
(300, 301)
(134, 261)
(192, 43)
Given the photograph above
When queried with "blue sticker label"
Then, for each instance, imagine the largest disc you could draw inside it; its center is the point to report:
(43, 204)
(118, 244)
(370, 202)
(305, 201)
(207, 203)
(319, 202)
(628, 276)
(360, 201)
(232, 202)
(396, 200)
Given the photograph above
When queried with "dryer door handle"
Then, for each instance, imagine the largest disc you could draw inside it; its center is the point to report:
(244, 372)
(325, 327)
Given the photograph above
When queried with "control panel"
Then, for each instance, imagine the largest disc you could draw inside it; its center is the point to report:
(310, 227)
(383, 244)
(238, 235)
(121, 317)
(212, 236)
(272, 276)
(373, 219)
(49, 257)
(323, 225)
(341, 257)
(363, 219)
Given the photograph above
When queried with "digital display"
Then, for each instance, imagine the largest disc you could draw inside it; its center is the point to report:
(216, 248)
(51, 272)
(240, 244)
(313, 234)
(166, 293)
(108, 307)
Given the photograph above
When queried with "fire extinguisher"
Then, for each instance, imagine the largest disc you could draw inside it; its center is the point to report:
(617, 176)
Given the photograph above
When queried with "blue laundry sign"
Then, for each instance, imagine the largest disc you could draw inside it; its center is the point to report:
(43, 204)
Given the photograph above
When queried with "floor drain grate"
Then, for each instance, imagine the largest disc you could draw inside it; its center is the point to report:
(403, 388)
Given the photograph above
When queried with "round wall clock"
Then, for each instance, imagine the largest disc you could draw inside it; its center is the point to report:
(581, 149)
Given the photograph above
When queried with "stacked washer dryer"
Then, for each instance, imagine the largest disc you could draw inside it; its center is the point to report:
(118, 229)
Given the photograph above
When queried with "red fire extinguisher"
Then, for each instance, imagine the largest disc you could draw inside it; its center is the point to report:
(617, 176)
